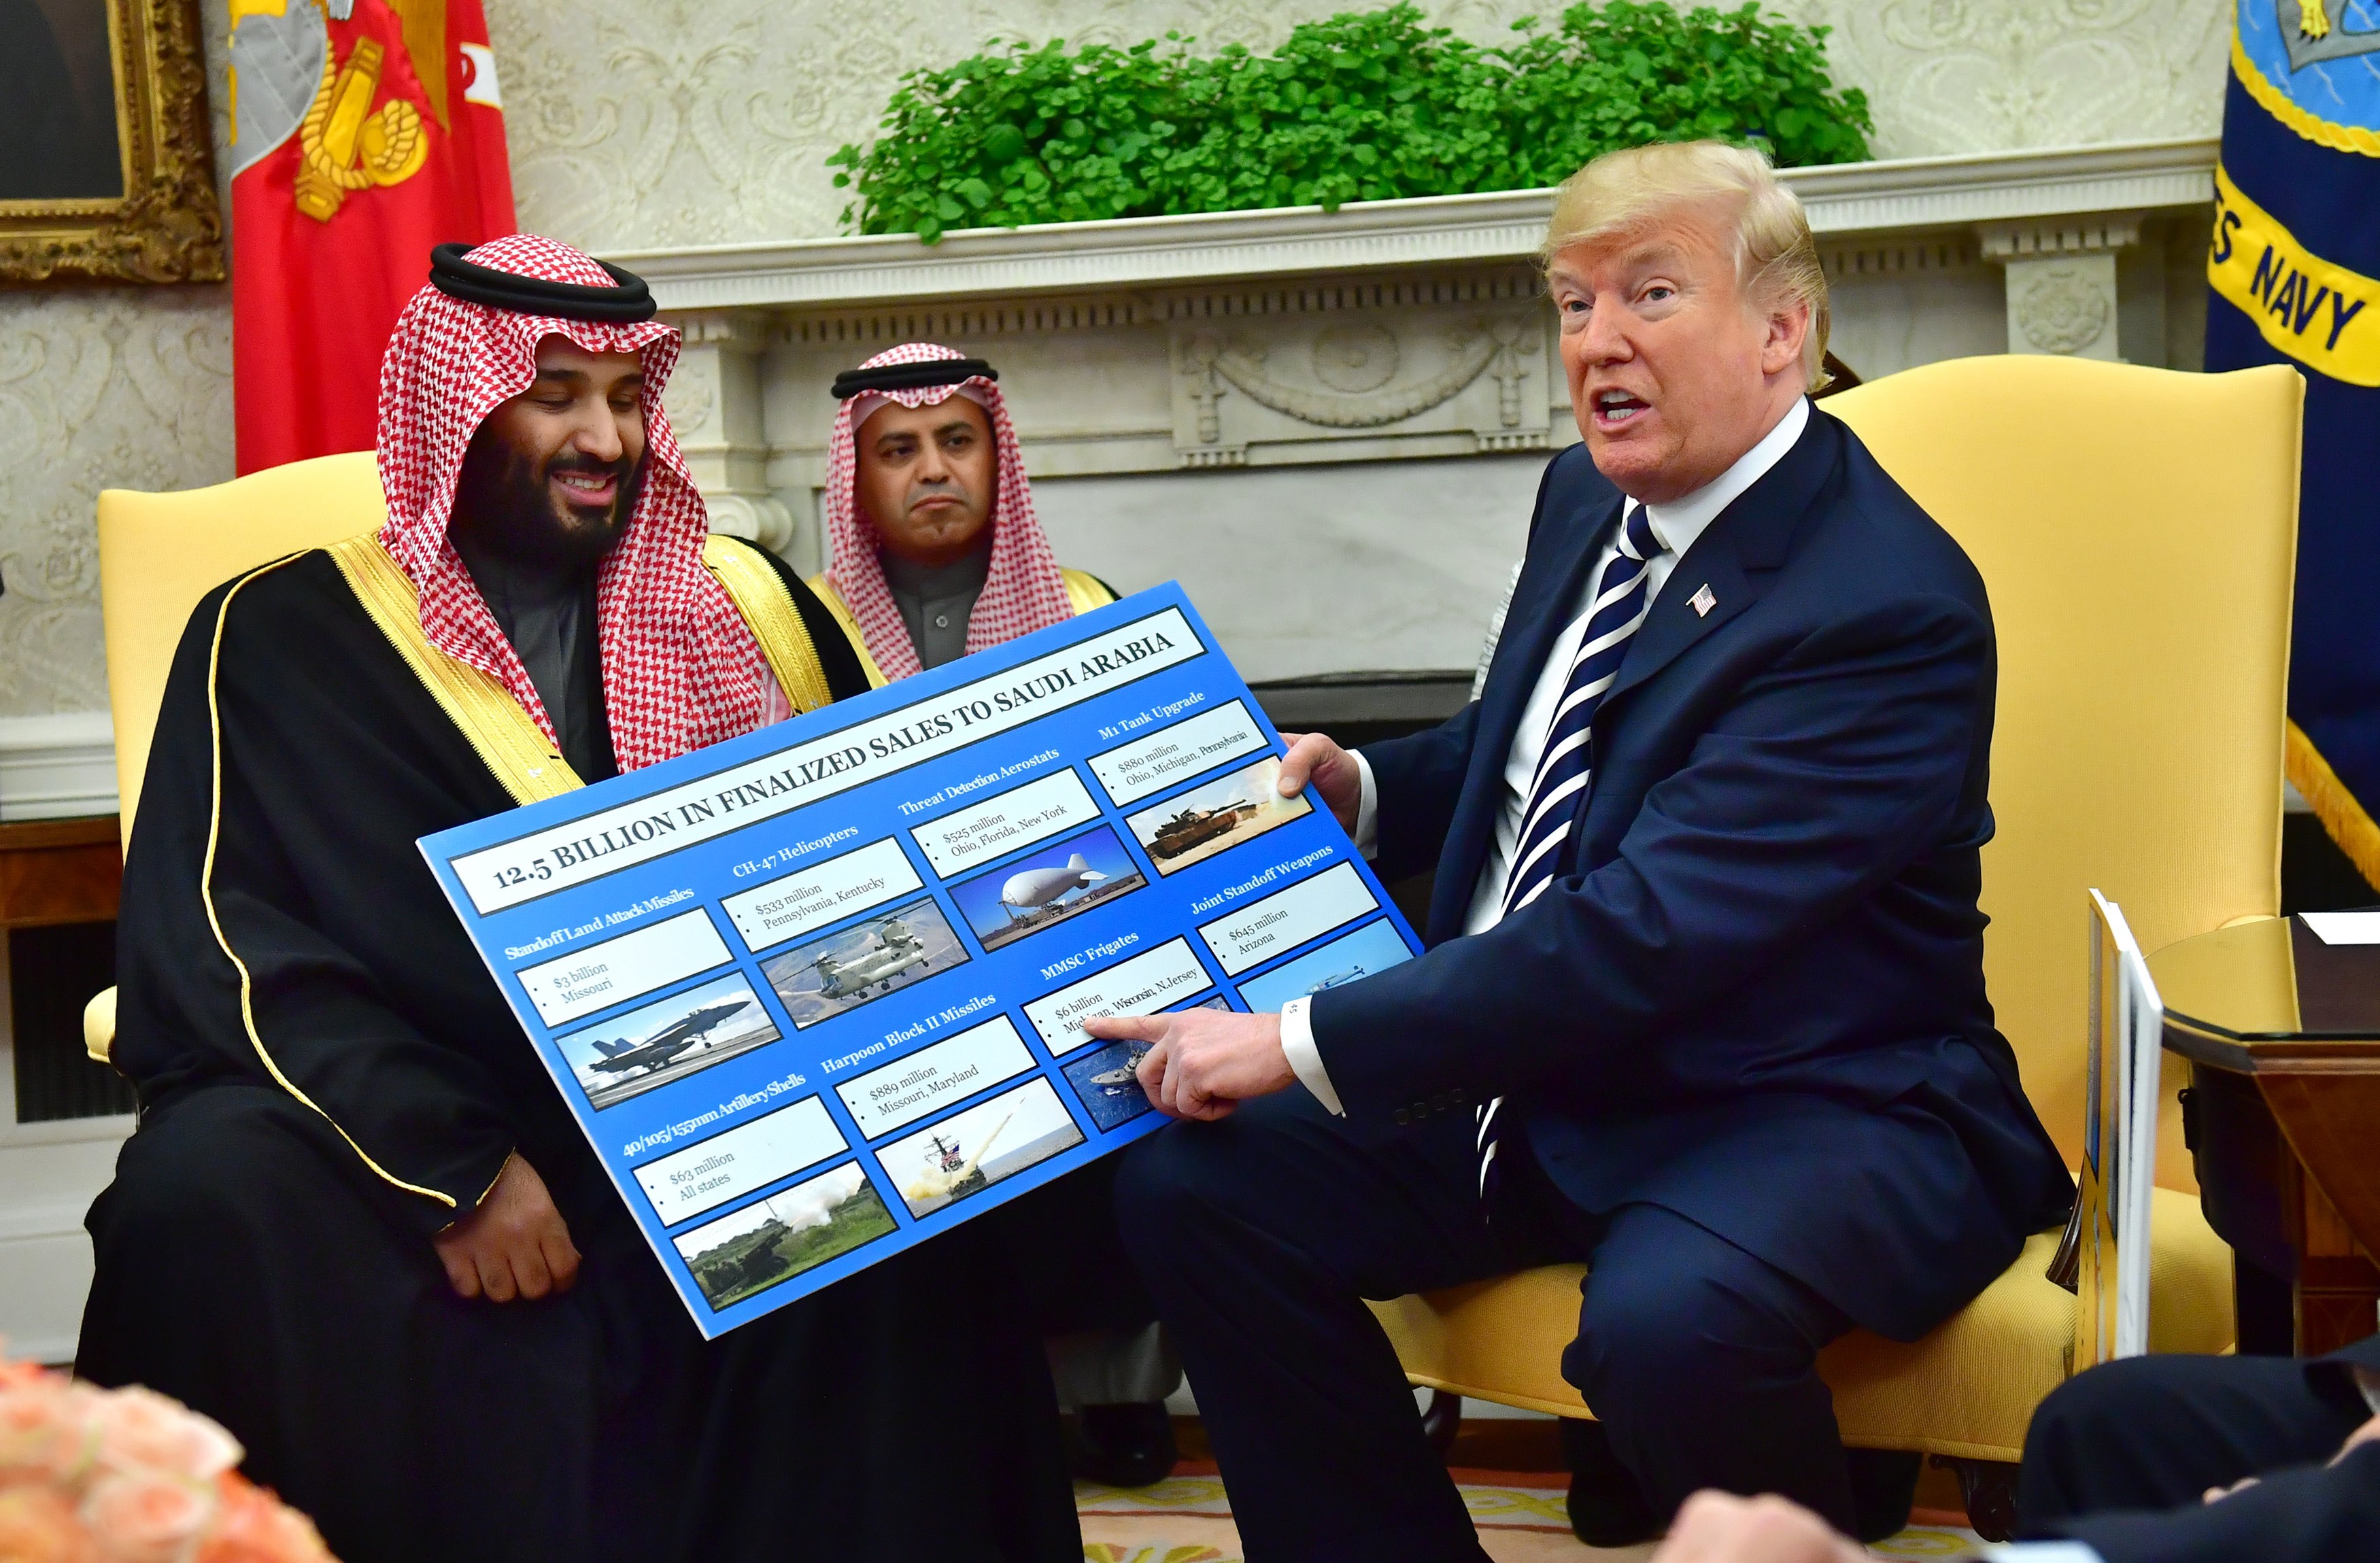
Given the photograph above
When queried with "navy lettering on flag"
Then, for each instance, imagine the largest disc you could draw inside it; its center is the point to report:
(2293, 269)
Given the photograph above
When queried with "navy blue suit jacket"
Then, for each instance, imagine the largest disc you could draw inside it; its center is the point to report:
(1754, 994)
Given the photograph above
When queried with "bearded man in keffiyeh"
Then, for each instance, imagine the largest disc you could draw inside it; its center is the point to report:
(357, 1224)
(935, 550)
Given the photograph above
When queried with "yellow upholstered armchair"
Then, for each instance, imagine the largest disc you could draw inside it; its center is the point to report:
(159, 554)
(2137, 531)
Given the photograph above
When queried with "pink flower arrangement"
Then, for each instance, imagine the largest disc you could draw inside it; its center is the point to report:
(90, 1476)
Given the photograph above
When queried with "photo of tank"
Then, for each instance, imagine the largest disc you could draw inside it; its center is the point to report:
(795, 1230)
(1193, 825)
(1045, 887)
(847, 968)
(633, 1053)
(969, 1151)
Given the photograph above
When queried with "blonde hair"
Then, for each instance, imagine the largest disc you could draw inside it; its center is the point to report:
(1628, 191)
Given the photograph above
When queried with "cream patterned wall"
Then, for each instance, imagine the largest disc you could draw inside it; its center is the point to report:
(99, 388)
(641, 123)
(637, 123)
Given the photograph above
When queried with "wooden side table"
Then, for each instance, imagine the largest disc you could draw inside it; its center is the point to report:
(59, 872)
(2283, 1030)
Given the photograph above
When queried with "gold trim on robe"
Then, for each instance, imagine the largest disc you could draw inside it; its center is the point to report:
(768, 608)
(1084, 592)
(207, 882)
(504, 736)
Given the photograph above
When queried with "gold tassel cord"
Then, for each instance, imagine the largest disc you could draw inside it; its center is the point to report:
(2343, 817)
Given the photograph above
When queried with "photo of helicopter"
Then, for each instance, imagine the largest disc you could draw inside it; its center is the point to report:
(867, 960)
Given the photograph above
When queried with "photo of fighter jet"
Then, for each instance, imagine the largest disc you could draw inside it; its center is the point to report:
(865, 962)
(669, 1039)
(1047, 887)
(662, 1046)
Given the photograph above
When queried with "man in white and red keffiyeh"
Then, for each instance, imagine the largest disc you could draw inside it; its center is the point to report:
(934, 548)
(935, 553)
(358, 1224)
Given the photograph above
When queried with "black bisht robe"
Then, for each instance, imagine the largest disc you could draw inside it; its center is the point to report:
(266, 1257)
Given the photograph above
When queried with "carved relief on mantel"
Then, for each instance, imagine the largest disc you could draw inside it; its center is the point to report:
(2062, 281)
(1362, 386)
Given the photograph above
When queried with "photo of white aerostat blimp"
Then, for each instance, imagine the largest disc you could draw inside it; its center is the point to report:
(1045, 887)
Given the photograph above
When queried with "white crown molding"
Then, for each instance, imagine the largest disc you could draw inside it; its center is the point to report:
(60, 766)
(1138, 252)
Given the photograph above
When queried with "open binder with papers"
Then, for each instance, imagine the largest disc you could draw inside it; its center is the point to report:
(2105, 1257)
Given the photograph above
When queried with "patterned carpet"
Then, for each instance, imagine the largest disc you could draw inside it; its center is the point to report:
(1187, 1518)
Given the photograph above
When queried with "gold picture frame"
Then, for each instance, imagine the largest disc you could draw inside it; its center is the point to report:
(166, 225)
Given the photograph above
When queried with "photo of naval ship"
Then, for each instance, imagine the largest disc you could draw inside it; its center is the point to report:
(1107, 1081)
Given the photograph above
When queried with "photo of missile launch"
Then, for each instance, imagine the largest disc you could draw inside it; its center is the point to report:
(968, 1152)
(1046, 886)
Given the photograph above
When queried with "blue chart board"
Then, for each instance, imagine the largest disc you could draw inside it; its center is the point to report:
(817, 993)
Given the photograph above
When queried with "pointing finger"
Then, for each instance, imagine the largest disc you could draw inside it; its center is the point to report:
(1126, 1028)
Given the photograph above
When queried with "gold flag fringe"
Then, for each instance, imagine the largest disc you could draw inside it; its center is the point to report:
(2342, 815)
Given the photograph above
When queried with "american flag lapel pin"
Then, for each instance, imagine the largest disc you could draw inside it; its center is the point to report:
(1702, 602)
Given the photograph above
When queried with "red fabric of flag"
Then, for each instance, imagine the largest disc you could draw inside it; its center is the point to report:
(363, 132)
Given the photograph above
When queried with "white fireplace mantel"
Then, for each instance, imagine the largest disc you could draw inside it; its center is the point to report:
(1899, 196)
(1236, 400)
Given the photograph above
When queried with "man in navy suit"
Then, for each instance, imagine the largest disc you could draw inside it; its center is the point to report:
(1704, 1002)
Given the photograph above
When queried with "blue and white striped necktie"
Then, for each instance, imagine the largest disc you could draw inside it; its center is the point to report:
(1561, 784)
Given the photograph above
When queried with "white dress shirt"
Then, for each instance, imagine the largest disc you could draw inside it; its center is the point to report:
(1675, 526)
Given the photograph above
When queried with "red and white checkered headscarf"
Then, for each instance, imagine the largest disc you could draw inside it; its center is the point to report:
(1023, 591)
(680, 668)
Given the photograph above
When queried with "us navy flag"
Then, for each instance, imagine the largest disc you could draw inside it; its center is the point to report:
(2295, 253)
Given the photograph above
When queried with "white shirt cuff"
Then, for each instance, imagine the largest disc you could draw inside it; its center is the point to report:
(1304, 1059)
(2038, 1552)
(1367, 816)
